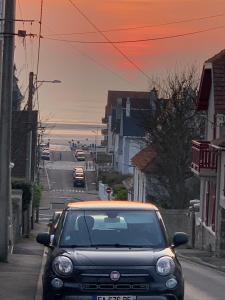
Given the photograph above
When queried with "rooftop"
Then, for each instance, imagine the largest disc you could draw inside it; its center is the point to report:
(110, 205)
(144, 159)
(213, 75)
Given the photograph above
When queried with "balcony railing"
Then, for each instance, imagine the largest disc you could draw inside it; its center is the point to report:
(204, 158)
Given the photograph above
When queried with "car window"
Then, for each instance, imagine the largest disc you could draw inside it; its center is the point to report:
(111, 227)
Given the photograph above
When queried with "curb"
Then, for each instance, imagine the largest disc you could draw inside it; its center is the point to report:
(200, 262)
(38, 295)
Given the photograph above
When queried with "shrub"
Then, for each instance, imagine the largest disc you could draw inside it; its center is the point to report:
(120, 192)
(111, 178)
(37, 193)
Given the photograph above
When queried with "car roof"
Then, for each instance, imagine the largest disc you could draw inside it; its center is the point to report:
(110, 205)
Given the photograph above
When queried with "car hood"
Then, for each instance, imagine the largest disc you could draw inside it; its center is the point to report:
(112, 257)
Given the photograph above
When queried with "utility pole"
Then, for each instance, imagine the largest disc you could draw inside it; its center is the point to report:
(29, 148)
(29, 125)
(5, 125)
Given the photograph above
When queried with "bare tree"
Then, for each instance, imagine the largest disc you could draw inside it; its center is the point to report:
(172, 124)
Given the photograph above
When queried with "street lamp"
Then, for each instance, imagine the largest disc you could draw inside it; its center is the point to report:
(51, 81)
(32, 88)
(36, 86)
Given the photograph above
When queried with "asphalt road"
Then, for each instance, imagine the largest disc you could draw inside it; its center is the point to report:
(59, 184)
(203, 283)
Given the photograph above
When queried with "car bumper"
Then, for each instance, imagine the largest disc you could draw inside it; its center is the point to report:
(66, 293)
(166, 297)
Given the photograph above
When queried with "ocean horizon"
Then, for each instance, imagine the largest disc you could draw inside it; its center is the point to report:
(63, 133)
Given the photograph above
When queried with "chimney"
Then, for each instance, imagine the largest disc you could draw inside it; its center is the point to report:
(153, 98)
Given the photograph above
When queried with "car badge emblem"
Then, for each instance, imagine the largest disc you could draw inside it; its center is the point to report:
(114, 275)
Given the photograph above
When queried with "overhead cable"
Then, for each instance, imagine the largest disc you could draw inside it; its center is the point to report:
(140, 40)
(109, 42)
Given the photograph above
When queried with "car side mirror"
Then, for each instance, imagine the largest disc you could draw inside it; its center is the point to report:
(44, 239)
(179, 239)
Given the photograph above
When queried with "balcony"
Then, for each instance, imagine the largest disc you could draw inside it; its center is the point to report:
(204, 158)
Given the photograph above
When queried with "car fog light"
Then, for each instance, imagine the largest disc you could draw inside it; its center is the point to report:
(57, 283)
(171, 283)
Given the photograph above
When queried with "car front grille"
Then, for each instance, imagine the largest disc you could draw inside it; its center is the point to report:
(116, 287)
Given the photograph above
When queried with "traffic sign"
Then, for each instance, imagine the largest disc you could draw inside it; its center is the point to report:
(109, 190)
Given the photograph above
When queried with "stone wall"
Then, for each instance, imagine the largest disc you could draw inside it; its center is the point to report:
(17, 213)
(177, 220)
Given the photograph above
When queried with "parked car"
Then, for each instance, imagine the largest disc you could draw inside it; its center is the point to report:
(79, 180)
(108, 250)
(80, 155)
(78, 172)
(45, 155)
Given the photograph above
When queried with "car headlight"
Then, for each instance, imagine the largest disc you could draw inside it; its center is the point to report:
(62, 265)
(165, 265)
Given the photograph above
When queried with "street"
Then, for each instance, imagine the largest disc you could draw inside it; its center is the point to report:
(202, 282)
(58, 185)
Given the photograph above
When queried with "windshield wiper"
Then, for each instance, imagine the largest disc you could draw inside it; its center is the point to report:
(117, 245)
(74, 246)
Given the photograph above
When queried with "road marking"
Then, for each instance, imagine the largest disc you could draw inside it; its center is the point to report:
(67, 191)
(48, 181)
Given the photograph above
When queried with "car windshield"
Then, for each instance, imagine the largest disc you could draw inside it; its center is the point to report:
(112, 228)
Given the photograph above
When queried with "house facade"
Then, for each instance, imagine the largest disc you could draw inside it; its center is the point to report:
(125, 133)
(143, 162)
(208, 157)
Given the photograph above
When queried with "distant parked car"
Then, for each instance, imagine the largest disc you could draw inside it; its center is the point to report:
(79, 180)
(78, 171)
(45, 155)
(80, 155)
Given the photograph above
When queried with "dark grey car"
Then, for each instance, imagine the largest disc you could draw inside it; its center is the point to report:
(112, 250)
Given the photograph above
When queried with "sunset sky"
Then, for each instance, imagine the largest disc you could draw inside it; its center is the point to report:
(88, 71)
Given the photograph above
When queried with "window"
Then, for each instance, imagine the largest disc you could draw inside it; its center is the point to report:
(112, 228)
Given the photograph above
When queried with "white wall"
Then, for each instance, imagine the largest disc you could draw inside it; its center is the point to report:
(130, 147)
(139, 185)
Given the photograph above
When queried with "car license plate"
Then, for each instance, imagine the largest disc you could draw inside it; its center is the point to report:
(115, 298)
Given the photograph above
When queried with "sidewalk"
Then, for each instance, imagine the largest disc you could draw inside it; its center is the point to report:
(19, 277)
(202, 257)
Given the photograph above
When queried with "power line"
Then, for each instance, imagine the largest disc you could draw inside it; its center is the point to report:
(142, 27)
(95, 61)
(108, 40)
(39, 38)
(140, 40)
